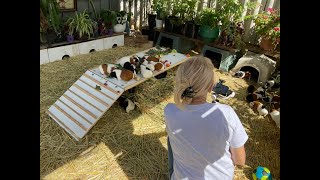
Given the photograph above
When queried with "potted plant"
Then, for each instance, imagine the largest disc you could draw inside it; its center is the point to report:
(232, 28)
(109, 19)
(159, 7)
(151, 21)
(121, 21)
(51, 13)
(209, 21)
(82, 25)
(43, 27)
(267, 27)
(190, 26)
(70, 28)
(177, 19)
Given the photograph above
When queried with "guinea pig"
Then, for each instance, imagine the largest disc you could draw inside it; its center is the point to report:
(126, 104)
(275, 116)
(258, 106)
(106, 68)
(124, 74)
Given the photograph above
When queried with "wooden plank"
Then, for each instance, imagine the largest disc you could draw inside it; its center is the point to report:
(99, 91)
(89, 97)
(73, 110)
(70, 117)
(95, 94)
(70, 90)
(78, 105)
(111, 96)
(104, 86)
(63, 125)
(67, 121)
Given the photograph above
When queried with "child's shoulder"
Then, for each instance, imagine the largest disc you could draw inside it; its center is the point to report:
(170, 106)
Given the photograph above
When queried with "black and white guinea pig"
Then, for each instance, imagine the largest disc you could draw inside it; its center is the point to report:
(126, 104)
(129, 66)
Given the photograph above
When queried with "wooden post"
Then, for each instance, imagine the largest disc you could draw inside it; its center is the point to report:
(141, 19)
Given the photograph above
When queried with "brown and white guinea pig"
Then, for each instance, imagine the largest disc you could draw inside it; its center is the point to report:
(258, 106)
(154, 59)
(275, 115)
(157, 65)
(254, 97)
(166, 63)
(126, 104)
(106, 68)
(124, 74)
(145, 71)
(136, 60)
(276, 106)
(149, 65)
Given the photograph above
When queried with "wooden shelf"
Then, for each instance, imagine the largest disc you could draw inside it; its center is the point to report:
(77, 41)
(250, 47)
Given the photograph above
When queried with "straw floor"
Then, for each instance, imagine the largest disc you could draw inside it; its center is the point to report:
(133, 146)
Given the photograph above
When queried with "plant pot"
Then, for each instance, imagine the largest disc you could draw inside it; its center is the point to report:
(208, 33)
(51, 37)
(189, 29)
(83, 38)
(70, 38)
(110, 32)
(96, 34)
(196, 31)
(152, 21)
(159, 23)
(169, 27)
(178, 29)
(119, 28)
(266, 44)
(43, 38)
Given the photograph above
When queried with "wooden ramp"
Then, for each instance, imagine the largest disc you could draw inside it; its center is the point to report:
(84, 103)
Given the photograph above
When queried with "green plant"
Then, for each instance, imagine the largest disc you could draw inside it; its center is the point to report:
(190, 10)
(51, 13)
(109, 17)
(267, 25)
(43, 22)
(94, 9)
(231, 18)
(122, 17)
(208, 17)
(81, 24)
(160, 6)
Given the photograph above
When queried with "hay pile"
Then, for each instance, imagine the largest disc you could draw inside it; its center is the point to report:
(133, 146)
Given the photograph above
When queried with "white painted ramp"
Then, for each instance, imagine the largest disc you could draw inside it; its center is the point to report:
(82, 105)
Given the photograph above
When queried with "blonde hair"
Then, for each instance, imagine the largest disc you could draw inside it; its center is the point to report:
(197, 73)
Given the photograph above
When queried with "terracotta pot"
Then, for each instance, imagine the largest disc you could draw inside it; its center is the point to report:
(266, 44)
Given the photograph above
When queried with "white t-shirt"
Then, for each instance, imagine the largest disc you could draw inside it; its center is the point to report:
(200, 138)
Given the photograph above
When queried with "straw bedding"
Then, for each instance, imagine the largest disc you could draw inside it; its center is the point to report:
(133, 146)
